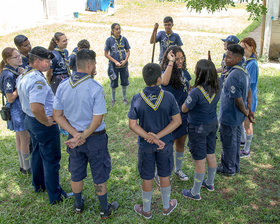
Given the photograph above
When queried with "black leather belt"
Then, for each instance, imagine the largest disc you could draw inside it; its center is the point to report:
(98, 133)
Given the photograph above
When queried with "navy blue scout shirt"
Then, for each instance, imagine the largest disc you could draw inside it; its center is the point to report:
(236, 85)
(182, 93)
(25, 62)
(154, 108)
(8, 79)
(72, 59)
(59, 65)
(117, 47)
(167, 40)
(202, 107)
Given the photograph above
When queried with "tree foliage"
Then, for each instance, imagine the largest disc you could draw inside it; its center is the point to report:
(254, 7)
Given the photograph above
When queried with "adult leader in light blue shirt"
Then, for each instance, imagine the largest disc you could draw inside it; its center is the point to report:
(36, 100)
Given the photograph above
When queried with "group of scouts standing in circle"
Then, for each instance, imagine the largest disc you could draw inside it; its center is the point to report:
(163, 114)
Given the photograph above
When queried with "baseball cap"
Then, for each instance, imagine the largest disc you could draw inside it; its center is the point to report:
(231, 38)
(41, 52)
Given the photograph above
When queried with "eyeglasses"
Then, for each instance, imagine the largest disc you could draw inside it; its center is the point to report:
(16, 57)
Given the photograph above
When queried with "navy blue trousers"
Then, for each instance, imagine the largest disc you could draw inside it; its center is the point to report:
(230, 138)
(45, 158)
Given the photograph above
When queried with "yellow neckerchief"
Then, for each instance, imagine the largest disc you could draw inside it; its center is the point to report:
(12, 71)
(206, 95)
(24, 74)
(74, 80)
(158, 101)
(168, 42)
(66, 61)
(239, 67)
(119, 46)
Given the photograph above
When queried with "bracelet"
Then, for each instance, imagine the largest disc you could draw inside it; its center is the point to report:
(170, 65)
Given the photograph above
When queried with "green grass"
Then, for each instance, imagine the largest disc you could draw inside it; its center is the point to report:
(250, 197)
(250, 28)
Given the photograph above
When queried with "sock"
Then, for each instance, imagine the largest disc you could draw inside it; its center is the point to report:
(124, 92)
(179, 156)
(165, 196)
(26, 161)
(113, 93)
(243, 134)
(211, 176)
(198, 178)
(147, 200)
(78, 199)
(248, 143)
(20, 158)
(103, 202)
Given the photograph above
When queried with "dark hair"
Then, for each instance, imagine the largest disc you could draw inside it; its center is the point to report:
(206, 75)
(251, 43)
(175, 80)
(150, 73)
(168, 19)
(113, 27)
(55, 38)
(83, 56)
(19, 39)
(230, 43)
(236, 49)
(6, 53)
(83, 44)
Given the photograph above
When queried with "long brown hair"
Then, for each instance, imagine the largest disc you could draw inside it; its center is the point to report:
(251, 43)
(6, 53)
(175, 80)
(55, 38)
(206, 75)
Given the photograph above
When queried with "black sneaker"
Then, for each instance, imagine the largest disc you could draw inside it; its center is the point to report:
(79, 208)
(220, 170)
(111, 207)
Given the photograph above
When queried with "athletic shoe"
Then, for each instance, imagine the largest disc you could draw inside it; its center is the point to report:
(125, 102)
(172, 205)
(181, 175)
(139, 210)
(113, 103)
(23, 171)
(79, 208)
(208, 187)
(220, 170)
(188, 194)
(111, 207)
(244, 154)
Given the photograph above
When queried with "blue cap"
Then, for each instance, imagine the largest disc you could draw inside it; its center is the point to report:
(231, 38)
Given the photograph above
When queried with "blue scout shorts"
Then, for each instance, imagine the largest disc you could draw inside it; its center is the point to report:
(95, 152)
(183, 128)
(147, 160)
(16, 123)
(202, 140)
(114, 73)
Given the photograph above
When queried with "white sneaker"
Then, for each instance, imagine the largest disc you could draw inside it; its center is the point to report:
(181, 175)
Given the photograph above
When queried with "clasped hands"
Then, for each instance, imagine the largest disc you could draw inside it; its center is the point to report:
(154, 139)
(77, 140)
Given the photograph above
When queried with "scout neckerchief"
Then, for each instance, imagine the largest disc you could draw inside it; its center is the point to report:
(253, 57)
(206, 95)
(119, 46)
(148, 101)
(29, 70)
(239, 67)
(168, 42)
(11, 70)
(66, 61)
(78, 78)
(184, 80)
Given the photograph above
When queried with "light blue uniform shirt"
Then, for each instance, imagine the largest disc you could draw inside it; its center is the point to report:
(80, 97)
(32, 87)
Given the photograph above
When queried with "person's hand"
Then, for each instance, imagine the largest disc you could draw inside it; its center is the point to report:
(156, 140)
(251, 117)
(51, 121)
(117, 64)
(123, 62)
(171, 56)
(75, 141)
(156, 26)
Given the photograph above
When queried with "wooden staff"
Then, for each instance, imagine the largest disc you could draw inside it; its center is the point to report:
(154, 34)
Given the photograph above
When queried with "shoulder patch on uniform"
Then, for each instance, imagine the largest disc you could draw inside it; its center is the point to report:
(189, 99)
(232, 89)
(40, 82)
(39, 87)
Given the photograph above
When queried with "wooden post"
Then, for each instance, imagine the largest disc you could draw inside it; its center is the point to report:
(262, 31)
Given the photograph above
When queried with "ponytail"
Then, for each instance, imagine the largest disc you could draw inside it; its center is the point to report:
(53, 41)
(2, 65)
